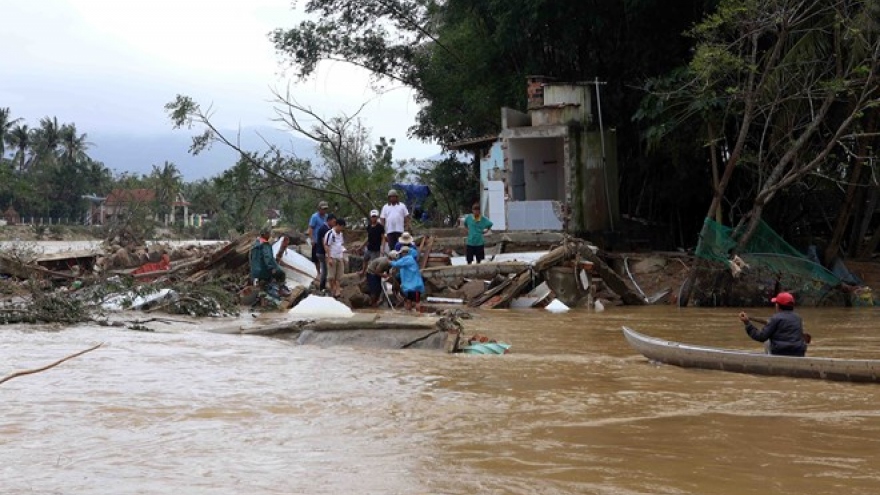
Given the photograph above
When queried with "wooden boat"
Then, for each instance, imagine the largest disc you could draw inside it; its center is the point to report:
(692, 356)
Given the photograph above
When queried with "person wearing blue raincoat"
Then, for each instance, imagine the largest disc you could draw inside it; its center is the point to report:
(411, 283)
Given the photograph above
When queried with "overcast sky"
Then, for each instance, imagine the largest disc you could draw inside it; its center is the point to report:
(111, 65)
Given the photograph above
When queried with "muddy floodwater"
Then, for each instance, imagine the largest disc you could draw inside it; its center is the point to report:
(572, 410)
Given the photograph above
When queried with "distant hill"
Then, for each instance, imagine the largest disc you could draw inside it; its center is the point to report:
(138, 153)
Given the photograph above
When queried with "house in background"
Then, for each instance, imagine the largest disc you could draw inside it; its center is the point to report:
(120, 201)
(549, 168)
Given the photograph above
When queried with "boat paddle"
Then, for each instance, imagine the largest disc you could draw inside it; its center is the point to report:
(763, 321)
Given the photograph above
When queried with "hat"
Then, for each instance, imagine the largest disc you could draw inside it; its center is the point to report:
(404, 249)
(323, 204)
(406, 238)
(393, 192)
(783, 299)
(374, 213)
(393, 254)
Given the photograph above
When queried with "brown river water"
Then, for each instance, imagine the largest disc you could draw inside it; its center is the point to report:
(572, 410)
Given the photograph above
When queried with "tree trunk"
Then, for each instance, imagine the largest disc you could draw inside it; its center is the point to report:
(845, 214)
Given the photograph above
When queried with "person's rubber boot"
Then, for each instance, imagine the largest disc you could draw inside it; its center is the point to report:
(272, 291)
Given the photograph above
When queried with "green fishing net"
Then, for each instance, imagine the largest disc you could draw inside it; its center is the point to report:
(769, 258)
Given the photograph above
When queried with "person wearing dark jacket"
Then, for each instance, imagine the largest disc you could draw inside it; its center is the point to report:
(264, 268)
(784, 330)
(321, 253)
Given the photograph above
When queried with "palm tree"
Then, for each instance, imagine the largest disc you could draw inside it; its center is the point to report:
(47, 138)
(5, 125)
(73, 146)
(167, 183)
(20, 138)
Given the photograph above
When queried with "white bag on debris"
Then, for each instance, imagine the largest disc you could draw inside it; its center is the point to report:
(556, 306)
(321, 307)
(120, 302)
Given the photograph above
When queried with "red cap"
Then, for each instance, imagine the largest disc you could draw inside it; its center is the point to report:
(783, 299)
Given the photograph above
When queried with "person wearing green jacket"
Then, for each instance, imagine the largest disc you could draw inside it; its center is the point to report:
(264, 268)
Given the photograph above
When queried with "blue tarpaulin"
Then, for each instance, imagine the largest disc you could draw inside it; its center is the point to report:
(413, 195)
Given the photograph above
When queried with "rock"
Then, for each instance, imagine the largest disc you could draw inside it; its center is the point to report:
(471, 290)
(120, 259)
(647, 265)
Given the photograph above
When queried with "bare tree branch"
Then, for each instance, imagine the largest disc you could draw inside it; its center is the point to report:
(48, 366)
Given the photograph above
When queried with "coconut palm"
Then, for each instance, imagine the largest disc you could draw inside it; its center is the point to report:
(73, 145)
(167, 182)
(6, 124)
(47, 138)
(21, 139)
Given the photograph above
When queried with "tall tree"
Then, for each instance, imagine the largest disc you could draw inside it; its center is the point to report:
(465, 59)
(73, 145)
(6, 125)
(20, 139)
(166, 181)
(47, 139)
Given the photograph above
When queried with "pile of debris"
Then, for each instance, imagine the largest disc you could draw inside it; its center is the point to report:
(213, 280)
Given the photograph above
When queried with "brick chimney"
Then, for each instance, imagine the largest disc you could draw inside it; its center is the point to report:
(535, 90)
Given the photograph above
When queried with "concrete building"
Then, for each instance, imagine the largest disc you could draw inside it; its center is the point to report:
(549, 168)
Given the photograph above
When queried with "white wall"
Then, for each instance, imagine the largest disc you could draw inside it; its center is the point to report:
(544, 166)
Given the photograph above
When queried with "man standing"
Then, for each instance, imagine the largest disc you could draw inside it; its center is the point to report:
(375, 238)
(265, 271)
(315, 222)
(395, 218)
(320, 252)
(335, 249)
(476, 225)
(784, 330)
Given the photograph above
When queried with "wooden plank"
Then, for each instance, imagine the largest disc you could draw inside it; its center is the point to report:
(425, 251)
(485, 296)
(517, 285)
(614, 281)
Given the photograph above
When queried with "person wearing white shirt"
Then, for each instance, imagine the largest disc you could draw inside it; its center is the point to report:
(395, 218)
(335, 249)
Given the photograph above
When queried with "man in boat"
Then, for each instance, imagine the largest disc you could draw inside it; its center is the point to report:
(265, 271)
(784, 330)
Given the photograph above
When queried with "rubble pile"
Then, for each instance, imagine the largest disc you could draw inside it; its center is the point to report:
(213, 280)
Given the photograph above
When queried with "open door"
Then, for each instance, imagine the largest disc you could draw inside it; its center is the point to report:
(494, 207)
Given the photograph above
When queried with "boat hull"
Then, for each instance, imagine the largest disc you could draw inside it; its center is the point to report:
(691, 356)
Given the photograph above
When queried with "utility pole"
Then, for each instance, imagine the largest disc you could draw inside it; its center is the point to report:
(596, 83)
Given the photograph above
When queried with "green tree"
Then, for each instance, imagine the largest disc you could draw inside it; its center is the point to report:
(349, 171)
(6, 126)
(465, 59)
(166, 182)
(796, 79)
(20, 139)
(47, 140)
(73, 145)
(454, 186)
